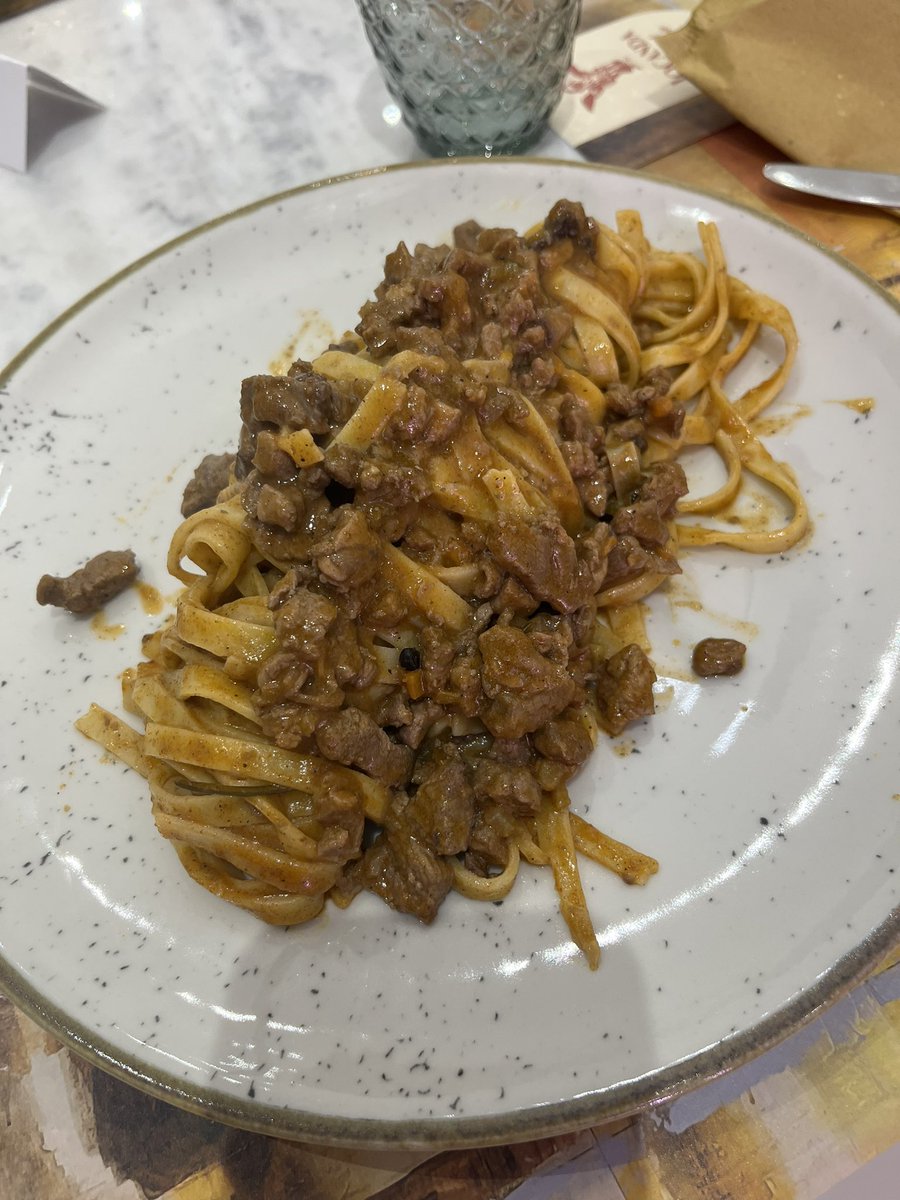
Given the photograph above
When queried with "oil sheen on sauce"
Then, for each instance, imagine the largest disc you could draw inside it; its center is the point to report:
(864, 404)
(103, 629)
(313, 329)
(151, 600)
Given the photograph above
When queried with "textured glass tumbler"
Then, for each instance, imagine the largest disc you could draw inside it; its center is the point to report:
(473, 76)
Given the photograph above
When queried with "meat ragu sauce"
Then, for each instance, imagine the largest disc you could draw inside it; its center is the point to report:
(480, 723)
(414, 607)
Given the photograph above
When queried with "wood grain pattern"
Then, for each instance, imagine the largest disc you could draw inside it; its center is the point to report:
(486, 1174)
(663, 132)
(14, 8)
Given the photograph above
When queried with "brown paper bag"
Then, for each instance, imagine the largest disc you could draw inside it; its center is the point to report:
(818, 78)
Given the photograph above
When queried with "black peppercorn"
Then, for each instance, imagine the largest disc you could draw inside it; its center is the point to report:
(410, 659)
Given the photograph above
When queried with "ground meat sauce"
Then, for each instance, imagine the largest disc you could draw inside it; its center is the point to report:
(93, 585)
(479, 725)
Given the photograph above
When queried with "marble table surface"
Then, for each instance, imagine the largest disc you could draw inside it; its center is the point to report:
(208, 106)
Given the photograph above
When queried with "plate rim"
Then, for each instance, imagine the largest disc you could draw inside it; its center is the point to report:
(522, 1124)
(443, 1133)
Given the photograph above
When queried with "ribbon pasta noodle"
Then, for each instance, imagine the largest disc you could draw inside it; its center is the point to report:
(411, 614)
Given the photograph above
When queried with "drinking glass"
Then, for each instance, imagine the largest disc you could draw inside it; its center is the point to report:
(473, 76)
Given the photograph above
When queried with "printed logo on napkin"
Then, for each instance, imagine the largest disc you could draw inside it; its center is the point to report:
(624, 102)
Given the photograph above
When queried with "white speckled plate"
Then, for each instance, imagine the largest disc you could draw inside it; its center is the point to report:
(770, 799)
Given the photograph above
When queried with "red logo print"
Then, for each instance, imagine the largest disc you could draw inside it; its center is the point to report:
(592, 84)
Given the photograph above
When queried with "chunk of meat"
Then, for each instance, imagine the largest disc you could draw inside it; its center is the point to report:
(513, 598)
(493, 829)
(423, 715)
(621, 432)
(524, 690)
(512, 787)
(552, 635)
(643, 522)
(593, 549)
(563, 740)
(91, 586)
(465, 680)
(341, 812)
(443, 806)
(540, 555)
(423, 419)
(628, 559)
(622, 401)
(270, 404)
(302, 620)
(515, 751)
(718, 656)
(289, 724)
(649, 401)
(466, 235)
(275, 507)
(394, 710)
(210, 477)
(301, 400)
(350, 663)
(389, 482)
(282, 677)
(595, 492)
(271, 462)
(665, 484)
(568, 220)
(577, 423)
(351, 554)
(404, 299)
(625, 688)
(580, 459)
(405, 873)
(351, 737)
(437, 654)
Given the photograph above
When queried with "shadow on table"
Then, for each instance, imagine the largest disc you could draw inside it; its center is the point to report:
(48, 116)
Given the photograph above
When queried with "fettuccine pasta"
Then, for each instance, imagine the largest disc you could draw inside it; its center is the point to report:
(414, 609)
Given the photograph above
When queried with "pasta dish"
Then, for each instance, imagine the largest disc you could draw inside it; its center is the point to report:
(414, 607)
